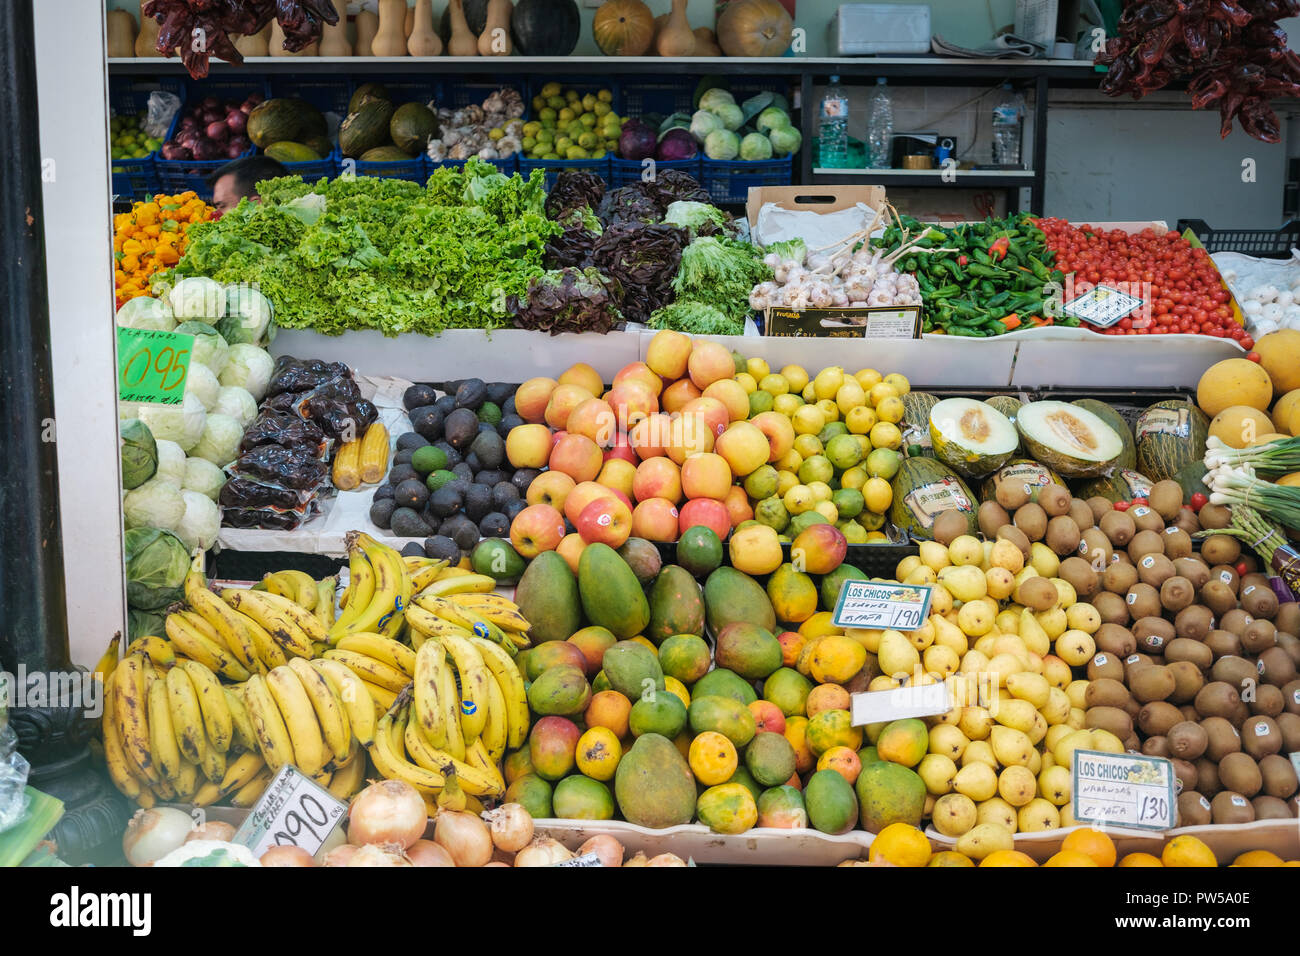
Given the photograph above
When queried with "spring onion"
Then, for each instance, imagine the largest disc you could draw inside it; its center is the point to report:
(1239, 486)
(1281, 456)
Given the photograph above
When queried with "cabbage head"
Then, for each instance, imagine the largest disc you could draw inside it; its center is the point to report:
(219, 443)
(722, 144)
(237, 403)
(772, 118)
(785, 140)
(202, 382)
(182, 423)
(732, 116)
(204, 477)
(201, 523)
(210, 348)
(156, 564)
(155, 504)
(703, 123)
(249, 368)
(248, 316)
(143, 312)
(139, 453)
(716, 97)
(755, 146)
(171, 462)
(197, 298)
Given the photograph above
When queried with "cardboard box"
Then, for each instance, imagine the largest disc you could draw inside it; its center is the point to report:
(812, 198)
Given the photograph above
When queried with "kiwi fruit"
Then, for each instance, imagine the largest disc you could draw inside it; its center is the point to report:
(1082, 514)
(1214, 516)
(1132, 743)
(1100, 507)
(1105, 666)
(1185, 649)
(1054, 499)
(1287, 618)
(1217, 596)
(1221, 738)
(1186, 775)
(1094, 547)
(1239, 714)
(1291, 644)
(1288, 724)
(1194, 569)
(1178, 544)
(1146, 519)
(1278, 777)
(1228, 575)
(1166, 497)
(1235, 620)
(1119, 577)
(1222, 642)
(1240, 774)
(948, 526)
(1156, 717)
(1079, 574)
(1153, 634)
(1017, 537)
(1038, 594)
(1155, 747)
(1188, 680)
(1258, 600)
(1229, 807)
(1106, 693)
(1187, 740)
(1186, 521)
(1271, 808)
(1276, 666)
(1154, 569)
(990, 517)
(1260, 737)
(1220, 549)
(1132, 708)
(1234, 670)
(1217, 699)
(1268, 701)
(1193, 809)
(1113, 719)
(1011, 494)
(1115, 639)
(1192, 621)
(1118, 527)
(1189, 712)
(1062, 534)
(1133, 662)
(1207, 776)
(1111, 608)
(1151, 683)
(1144, 543)
(1143, 601)
(1032, 520)
(1258, 636)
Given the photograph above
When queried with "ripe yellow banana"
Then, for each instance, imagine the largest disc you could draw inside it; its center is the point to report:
(213, 765)
(273, 583)
(511, 684)
(292, 627)
(459, 584)
(473, 780)
(424, 575)
(130, 706)
(496, 730)
(325, 601)
(209, 793)
(350, 777)
(114, 757)
(269, 653)
(200, 625)
(187, 716)
(251, 792)
(240, 723)
(230, 625)
(382, 696)
(393, 653)
(272, 735)
(299, 718)
(449, 699)
(218, 722)
(162, 742)
(302, 588)
(503, 613)
(108, 661)
(330, 714)
(462, 617)
(369, 669)
(395, 623)
(241, 770)
(196, 646)
(427, 715)
(394, 765)
(360, 590)
(389, 573)
(302, 618)
(474, 680)
(159, 651)
(430, 625)
(477, 756)
(187, 783)
(354, 696)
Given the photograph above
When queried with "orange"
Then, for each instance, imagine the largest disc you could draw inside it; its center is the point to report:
(1187, 851)
(950, 858)
(1258, 858)
(1008, 858)
(1140, 859)
(1091, 843)
(1070, 858)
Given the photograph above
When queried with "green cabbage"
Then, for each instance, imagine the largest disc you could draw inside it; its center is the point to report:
(785, 140)
(210, 348)
(171, 462)
(156, 564)
(755, 146)
(731, 115)
(237, 403)
(143, 312)
(197, 298)
(201, 522)
(248, 316)
(182, 423)
(201, 382)
(249, 368)
(144, 623)
(716, 97)
(772, 118)
(155, 504)
(139, 453)
(219, 443)
(722, 144)
(703, 123)
(204, 477)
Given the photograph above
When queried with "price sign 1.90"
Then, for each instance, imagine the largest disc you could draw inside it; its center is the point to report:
(152, 365)
(294, 811)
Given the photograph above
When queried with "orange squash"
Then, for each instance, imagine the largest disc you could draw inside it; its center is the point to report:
(706, 44)
(623, 28)
(754, 28)
(676, 38)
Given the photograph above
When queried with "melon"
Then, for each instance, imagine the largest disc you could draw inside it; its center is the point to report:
(1122, 485)
(971, 437)
(925, 488)
(754, 28)
(1008, 405)
(367, 128)
(1191, 479)
(1170, 435)
(287, 152)
(412, 126)
(1020, 471)
(1236, 381)
(1284, 410)
(365, 92)
(1115, 420)
(1238, 426)
(915, 425)
(1072, 441)
(1279, 355)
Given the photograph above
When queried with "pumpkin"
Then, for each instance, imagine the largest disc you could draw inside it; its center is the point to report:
(623, 28)
(754, 28)
(546, 27)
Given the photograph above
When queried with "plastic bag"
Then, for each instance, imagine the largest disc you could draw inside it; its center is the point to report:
(279, 519)
(162, 109)
(295, 375)
(13, 778)
(296, 468)
(242, 491)
(290, 431)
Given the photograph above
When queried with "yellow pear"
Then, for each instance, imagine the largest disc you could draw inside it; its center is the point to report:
(999, 583)
(882, 682)
(954, 814)
(872, 731)
(1057, 707)
(1055, 734)
(922, 637)
(922, 575)
(977, 780)
(988, 550)
(1067, 816)
(934, 555)
(1053, 622)
(896, 655)
(941, 660)
(983, 839)
(965, 550)
(867, 637)
(979, 751)
(906, 566)
(1039, 729)
(1035, 761)
(1031, 687)
(1005, 554)
(937, 771)
(1106, 742)
(1056, 671)
(1066, 590)
(1077, 719)
(1056, 785)
(940, 601)
(1008, 621)
(1082, 617)
(1011, 747)
(1076, 691)
(1017, 785)
(975, 722)
(1044, 559)
(947, 740)
(1017, 714)
(953, 716)
(975, 618)
(1075, 647)
(1032, 633)
(1063, 751)
(1004, 665)
(1038, 815)
(1011, 644)
(964, 582)
(996, 811)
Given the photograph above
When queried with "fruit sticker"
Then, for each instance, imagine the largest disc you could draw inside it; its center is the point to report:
(926, 502)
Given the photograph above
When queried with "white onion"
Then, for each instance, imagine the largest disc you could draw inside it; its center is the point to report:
(511, 826)
(212, 830)
(286, 856)
(464, 836)
(154, 833)
(340, 855)
(638, 860)
(387, 811)
(543, 851)
(428, 853)
(609, 850)
(666, 859)
(374, 855)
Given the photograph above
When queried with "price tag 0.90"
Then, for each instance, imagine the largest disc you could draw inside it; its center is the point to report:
(294, 811)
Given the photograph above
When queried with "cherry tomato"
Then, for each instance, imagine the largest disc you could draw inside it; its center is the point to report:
(1138, 501)
(1122, 505)
(1242, 568)
(1252, 356)
(1199, 501)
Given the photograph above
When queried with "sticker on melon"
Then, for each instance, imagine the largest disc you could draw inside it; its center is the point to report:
(971, 437)
(1070, 440)
(916, 418)
(924, 489)
(1027, 476)
(1170, 435)
(1123, 485)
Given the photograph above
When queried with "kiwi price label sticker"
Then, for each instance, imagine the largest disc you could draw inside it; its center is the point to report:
(882, 605)
(152, 365)
(293, 811)
(1123, 790)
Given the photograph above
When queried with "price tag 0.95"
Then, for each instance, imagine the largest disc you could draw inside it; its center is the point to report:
(1124, 790)
(294, 811)
(152, 365)
(882, 605)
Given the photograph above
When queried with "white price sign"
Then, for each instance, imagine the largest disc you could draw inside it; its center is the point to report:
(1103, 306)
(294, 811)
(1125, 790)
(882, 604)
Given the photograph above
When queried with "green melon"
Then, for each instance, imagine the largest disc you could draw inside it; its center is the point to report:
(366, 129)
(288, 152)
(1104, 411)
(971, 437)
(1170, 436)
(1070, 440)
(1123, 485)
(368, 91)
(1190, 477)
(1007, 405)
(385, 154)
(412, 126)
(1019, 471)
(925, 488)
(915, 425)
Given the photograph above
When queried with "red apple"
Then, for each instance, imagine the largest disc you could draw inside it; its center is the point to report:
(707, 512)
(618, 475)
(779, 432)
(738, 506)
(622, 449)
(744, 446)
(606, 520)
(536, 529)
(709, 362)
(583, 494)
(632, 400)
(706, 476)
(649, 437)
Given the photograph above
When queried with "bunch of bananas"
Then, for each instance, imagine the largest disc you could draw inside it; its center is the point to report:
(320, 691)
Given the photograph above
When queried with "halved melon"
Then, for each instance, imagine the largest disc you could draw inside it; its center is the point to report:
(971, 437)
(1070, 440)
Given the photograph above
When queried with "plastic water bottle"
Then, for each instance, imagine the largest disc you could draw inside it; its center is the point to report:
(880, 127)
(833, 127)
(1008, 118)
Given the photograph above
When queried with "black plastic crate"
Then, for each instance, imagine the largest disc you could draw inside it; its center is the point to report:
(1262, 243)
(229, 565)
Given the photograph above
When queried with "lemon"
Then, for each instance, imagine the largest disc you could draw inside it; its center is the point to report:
(850, 396)
(860, 419)
(552, 89)
(855, 478)
(900, 844)
(900, 383)
(588, 140)
(878, 494)
(605, 96)
(821, 491)
(785, 480)
(809, 393)
(876, 537)
(796, 376)
(589, 102)
(547, 113)
(786, 403)
(830, 411)
(885, 435)
(566, 115)
(809, 420)
(747, 382)
(790, 461)
(881, 391)
(1187, 851)
(601, 108)
(758, 367)
(798, 499)
(827, 511)
(808, 445)
(776, 384)
(575, 152)
(588, 120)
(828, 382)
(562, 144)
(890, 410)
(557, 102)
(867, 378)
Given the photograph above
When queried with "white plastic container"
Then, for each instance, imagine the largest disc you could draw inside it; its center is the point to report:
(862, 29)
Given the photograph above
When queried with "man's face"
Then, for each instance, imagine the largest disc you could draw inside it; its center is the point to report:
(226, 194)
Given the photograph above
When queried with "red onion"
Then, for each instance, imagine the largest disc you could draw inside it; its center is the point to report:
(212, 116)
(230, 105)
(254, 99)
(232, 151)
(241, 141)
(210, 103)
(205, 149)
(218, 130)
(387, 811)
(187, 122)
(236, 120)
(176, 151)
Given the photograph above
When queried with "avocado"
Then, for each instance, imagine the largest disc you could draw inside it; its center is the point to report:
(513, 508)
(522, 478)
(454, 457)
(383, 492)
(428, 459)
(400, 473)
(441, 547)
(438, 478)
(489, 413)
(460, 427)
(464, 472)
(478, 502)
(427, 421)
(494, 525)
(490, 477)
(490, 448)
(413, 550)
(471, 394)
(411, 440)
(446, 501)
(498, 393)
(507, 423)
(471, 459)
(446, 404)
(403, 456)
(381, 512)
(407, 523)
(461, 530)
(417, 396)
(412, 493)
(503, 492)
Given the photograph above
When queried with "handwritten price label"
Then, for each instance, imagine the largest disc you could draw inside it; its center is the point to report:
(881, 604)
(294, 811)
(152, 365)
(1123, 790)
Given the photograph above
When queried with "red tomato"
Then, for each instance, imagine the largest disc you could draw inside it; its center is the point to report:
(1122, 505)
(1199, 501)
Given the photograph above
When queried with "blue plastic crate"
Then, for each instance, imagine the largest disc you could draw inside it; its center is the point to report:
(626, 172)
(413, 170)
(457, 92)
(729, 181)
(663, 96)
(314, 169)
(327, 94)
(131, 94)
(553, 168)
(508, 166)
(182, 175)
(135, 179)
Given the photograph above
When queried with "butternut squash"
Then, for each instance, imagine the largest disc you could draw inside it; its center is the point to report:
(258, 44)
(146, 41)
(121, 33)
(390, 40)
(334, 39)
(706, 44)
(409, 23)
(462, 41)
(623, 28)
(676, 38)
(754, 28)
(367, 24)
(424, 40)
(495, 38)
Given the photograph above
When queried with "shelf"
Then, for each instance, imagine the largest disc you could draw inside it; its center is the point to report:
(964, 179)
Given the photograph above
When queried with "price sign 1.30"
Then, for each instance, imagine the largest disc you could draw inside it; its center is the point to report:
(294, 811)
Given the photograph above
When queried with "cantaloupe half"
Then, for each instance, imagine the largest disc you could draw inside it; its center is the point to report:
(971, 437)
